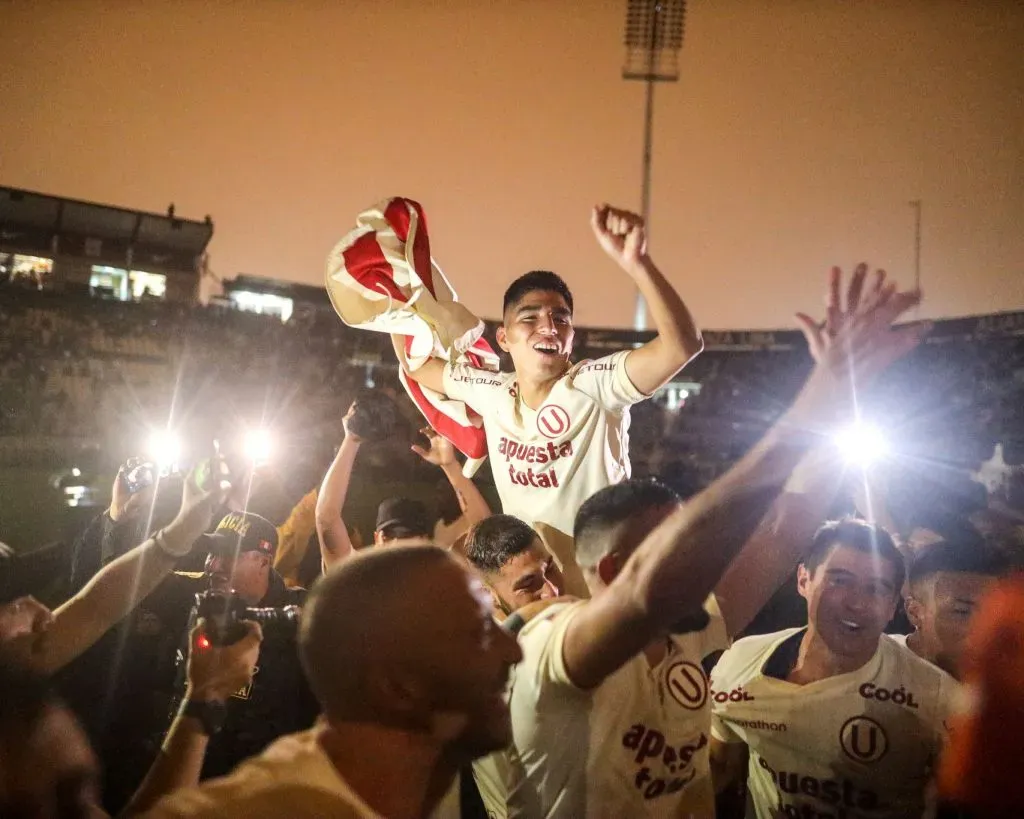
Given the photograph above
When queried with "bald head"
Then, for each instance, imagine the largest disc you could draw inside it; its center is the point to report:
(404, 638)
(366, 612)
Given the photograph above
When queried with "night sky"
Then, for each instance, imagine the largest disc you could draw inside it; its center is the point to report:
(796, 136)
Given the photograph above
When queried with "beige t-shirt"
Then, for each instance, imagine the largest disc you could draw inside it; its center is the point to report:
(636, 746)
(547, 461)
(491, 774)
(293, 777)
(899, 639)
(860, 745)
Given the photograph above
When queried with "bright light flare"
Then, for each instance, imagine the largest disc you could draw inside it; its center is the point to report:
(259, 446)
(862, 444)
(164, 448)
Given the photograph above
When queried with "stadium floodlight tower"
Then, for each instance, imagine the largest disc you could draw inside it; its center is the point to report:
(654, 38)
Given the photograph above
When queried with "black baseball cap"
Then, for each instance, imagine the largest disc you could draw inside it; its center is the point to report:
(409, 514)
(242, 532)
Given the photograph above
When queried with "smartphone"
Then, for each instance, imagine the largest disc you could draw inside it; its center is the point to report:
(139, 477)
(213, 469)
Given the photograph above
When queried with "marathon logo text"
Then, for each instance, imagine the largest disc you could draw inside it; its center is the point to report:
(898, 696)
(650, 744)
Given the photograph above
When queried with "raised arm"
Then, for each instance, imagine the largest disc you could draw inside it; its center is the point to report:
(120, 585)
(671, 573)
(623, 237)
(430, 375)
(442, 454)
(335, 544)
(782, 538)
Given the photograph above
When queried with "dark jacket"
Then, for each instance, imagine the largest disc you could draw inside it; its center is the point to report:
(278, 701)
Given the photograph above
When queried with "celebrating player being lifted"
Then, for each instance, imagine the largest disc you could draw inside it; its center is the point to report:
(557, 432)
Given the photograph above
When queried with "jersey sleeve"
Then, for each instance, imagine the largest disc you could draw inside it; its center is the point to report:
(542, 642)
(724, 677)
(606, 382)
(480, 389)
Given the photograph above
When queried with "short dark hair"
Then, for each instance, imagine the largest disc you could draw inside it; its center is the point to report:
(957, 558)
(612, 506)
(494, 541)
(536, 280)
(855, 534)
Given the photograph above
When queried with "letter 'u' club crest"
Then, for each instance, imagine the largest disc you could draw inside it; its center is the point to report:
(687, 685)
(863, 740)
(552, 421)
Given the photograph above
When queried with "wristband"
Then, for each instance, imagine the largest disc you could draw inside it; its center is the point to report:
(514, 623)
(210, 714)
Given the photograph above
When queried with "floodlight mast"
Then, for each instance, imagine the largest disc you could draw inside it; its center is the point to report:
(654, 38)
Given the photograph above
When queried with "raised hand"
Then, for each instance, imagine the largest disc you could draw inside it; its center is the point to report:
(349, 434)
(200, 496)
(216, 672)
(124, 504)
(856, 341)
(621, 234)
(441, 452)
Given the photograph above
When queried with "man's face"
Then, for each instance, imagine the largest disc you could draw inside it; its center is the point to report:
(538, 334)
(529, 576)
(468, 670)
(850, 597)
(941, 608)
(248, 574)
(50, 774)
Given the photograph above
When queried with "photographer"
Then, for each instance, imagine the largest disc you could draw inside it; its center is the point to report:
(120, 527)
(239, 569)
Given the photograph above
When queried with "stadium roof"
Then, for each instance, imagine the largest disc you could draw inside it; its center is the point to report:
(25, 216)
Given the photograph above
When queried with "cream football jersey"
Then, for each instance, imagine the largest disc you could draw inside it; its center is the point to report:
(636, 746)
(547, 461)
(860, 745)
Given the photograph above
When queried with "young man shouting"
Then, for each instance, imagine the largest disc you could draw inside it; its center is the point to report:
(557, 432)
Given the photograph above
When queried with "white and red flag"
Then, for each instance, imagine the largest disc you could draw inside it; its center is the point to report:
(381, 277)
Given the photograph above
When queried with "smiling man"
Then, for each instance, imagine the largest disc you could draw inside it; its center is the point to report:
(839, 720)
(513, 562)
(557, 432)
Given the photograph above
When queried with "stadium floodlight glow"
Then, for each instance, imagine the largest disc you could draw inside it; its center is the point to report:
(259, 446)
(164, 448)
(861, 444)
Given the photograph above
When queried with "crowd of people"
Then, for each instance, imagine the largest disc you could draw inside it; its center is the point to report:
(581, 642)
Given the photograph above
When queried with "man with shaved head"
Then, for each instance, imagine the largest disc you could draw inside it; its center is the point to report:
(410, 670)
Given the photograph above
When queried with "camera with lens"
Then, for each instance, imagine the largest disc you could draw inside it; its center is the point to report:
(224, 613)
(374, 416)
